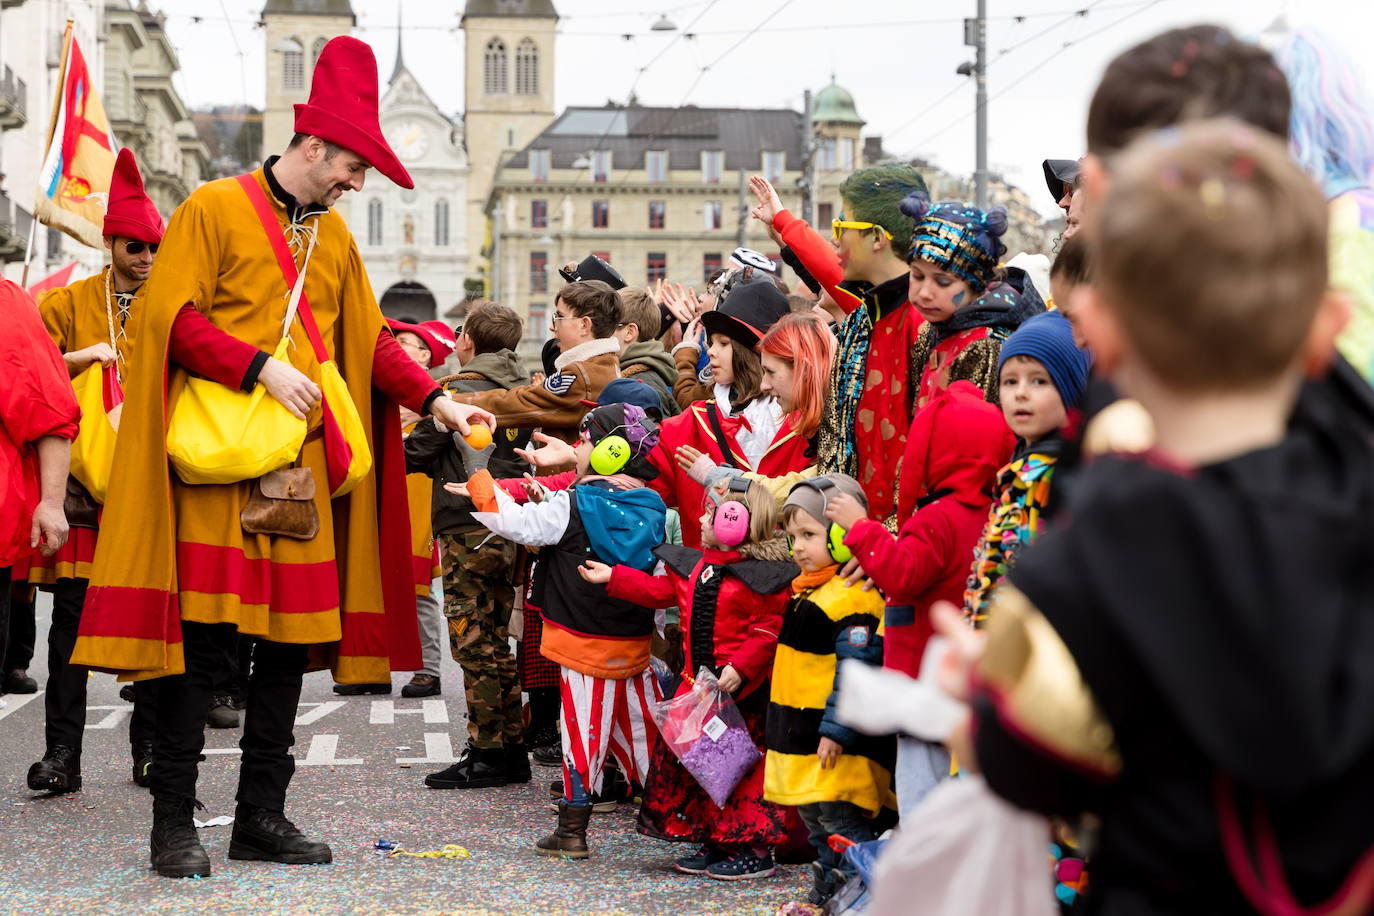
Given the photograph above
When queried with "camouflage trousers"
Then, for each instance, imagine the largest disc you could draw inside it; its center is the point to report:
(478, 598)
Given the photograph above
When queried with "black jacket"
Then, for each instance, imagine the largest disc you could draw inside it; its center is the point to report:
(433, 452)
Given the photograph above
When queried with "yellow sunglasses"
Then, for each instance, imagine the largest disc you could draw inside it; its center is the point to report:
(838, 226)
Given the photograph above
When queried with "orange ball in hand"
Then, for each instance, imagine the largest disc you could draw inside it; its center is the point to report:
(479, 436)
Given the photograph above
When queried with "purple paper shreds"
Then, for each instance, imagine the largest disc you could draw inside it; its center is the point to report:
(720, 765)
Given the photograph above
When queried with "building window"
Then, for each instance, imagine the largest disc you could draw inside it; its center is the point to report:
(526, 68)
(711, 215)
(601, 165)
(539, 271)
(710, 266)
(292, 65)
(825, 153)
(712, 165)
(773, 165)
(54, 242)
(441, 223)
(539, 214)
(601, 214)
(539, 318)
(494, 68)
(825, 215)
(656, 165)
(657, 212)
(539, 164)
(658, 267)
(374, 221)
(846, 161)
(315, 50)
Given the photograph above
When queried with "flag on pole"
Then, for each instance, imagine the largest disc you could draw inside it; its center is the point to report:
(74, 183)
(53, 280)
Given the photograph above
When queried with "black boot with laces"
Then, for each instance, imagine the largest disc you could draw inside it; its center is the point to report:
(267, 836)
(175, 849)
(58, 771)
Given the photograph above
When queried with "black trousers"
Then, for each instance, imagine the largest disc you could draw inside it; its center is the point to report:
(64, 703)
(23, 631)
(274, 690)
(143, 723)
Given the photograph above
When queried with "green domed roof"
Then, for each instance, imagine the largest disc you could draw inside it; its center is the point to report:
(835, 105)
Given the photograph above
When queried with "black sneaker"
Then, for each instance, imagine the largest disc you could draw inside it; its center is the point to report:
(742, 865)
(222, 713)
(699, 861)
(549, 755)
(478, 768)
(59, 771)
(17, 680)
(142, 753)
(357, 690)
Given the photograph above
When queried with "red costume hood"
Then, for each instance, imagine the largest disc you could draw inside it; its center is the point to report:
(131, 213)
(957, 444)
(343, 106)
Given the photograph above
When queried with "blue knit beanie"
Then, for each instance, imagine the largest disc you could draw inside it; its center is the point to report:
(1048, 338)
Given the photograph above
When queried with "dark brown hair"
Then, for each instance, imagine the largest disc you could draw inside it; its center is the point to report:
(1073, 263)
(1199, 72)
(1210, 247)
(492, 326)
(595, 300)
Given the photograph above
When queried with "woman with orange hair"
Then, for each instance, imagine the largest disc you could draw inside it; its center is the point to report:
(797, 354)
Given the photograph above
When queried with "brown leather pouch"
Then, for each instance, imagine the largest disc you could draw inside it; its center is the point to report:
(79, 505)
(282, 502)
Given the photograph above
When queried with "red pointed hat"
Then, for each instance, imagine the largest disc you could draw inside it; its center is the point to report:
(343, 106)
(437, 336)
(131, 213)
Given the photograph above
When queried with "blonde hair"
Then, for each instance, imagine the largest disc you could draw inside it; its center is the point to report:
(637, 307)
(763, 510)
(1210, 247)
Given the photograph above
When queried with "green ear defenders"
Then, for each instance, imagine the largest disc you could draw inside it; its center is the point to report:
(610, 455)
(834, 534)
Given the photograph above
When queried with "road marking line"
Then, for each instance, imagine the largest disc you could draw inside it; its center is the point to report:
(17, 701)
(438, 749)
(319, 712)
(112, 718)
(384, 712)
(322, 751)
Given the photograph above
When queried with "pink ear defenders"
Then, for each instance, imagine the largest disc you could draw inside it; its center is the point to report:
(730, 523)
(834, 535)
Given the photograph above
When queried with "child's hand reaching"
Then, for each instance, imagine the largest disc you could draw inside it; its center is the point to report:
(457, 489)
(729, 679)
(552, 452)
(829, 751)
(534, 489)
(594, 572)
(844, 510)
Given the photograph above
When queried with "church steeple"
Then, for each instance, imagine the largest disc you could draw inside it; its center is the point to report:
(400, 62)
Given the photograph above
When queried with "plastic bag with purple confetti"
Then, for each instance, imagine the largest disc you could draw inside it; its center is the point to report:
(704, 729)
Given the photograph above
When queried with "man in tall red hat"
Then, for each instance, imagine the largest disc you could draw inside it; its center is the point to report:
(176, 574)
(90, 321)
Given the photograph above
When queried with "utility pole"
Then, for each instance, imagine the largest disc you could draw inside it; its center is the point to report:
(808, 181)
(743, 226)
(976, 35)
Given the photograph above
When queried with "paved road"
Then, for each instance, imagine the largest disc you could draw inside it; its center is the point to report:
(360, 762)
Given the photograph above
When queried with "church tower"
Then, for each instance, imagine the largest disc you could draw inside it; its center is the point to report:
(296, 32)
(508, 88)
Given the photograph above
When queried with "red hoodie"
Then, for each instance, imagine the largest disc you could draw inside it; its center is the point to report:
(955, 447)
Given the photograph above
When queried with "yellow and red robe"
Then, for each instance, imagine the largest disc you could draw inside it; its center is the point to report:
(424, 555)
(75, 317)
(176, 552)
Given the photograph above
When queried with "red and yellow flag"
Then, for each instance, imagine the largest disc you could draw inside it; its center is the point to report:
(74, 183)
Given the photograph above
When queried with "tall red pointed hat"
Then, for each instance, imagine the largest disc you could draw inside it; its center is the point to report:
(343, 106)
(131, 213)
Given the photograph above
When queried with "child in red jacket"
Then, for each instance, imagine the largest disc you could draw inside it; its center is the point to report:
(732, 595)
(956, 445)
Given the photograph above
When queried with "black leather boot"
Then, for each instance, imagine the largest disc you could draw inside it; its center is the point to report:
(267, 836)
(478, 768)
(569, 838)
(142, 752)
(58, 771)
(517, 763)
(175, 849)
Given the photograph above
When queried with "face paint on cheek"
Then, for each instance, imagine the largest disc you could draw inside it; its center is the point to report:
(959, 297)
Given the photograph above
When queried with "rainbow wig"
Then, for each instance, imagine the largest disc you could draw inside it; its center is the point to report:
(1331, 134)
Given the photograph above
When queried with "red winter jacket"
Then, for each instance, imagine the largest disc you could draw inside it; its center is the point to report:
(731, 603)
(956, 445)
(786, 453)
(36, 401)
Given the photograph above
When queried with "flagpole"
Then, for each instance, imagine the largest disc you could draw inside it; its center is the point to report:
(28, 254)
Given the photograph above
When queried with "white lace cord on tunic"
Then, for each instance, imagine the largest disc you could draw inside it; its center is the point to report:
(118, 332)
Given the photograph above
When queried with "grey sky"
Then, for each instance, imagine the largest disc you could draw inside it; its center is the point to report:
(899, 61)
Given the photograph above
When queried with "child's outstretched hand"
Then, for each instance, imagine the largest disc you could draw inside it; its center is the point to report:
(844, 510)
(829, 751)
(535, 490)
(551, 453)
(457, 489)
(594, 572)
